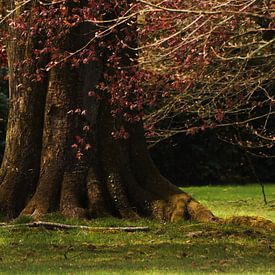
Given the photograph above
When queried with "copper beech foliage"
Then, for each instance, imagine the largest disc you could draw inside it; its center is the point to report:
(216, 61)
(183, 66)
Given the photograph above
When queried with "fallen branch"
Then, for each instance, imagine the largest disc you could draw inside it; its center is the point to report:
(51, 225)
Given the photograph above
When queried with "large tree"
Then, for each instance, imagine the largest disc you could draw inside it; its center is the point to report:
(75, 140)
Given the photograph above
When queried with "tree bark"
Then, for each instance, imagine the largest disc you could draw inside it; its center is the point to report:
(20, 165)
(40, 172)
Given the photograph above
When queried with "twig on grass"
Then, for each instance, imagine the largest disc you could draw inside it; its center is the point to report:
(51, 225)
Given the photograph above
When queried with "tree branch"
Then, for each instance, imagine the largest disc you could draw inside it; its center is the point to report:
(51, 225)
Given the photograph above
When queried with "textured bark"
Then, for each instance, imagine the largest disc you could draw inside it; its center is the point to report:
(58, 126)
(73, 199)
(40, 173)
(20, 166)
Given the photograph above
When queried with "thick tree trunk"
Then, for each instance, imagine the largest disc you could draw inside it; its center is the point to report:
(20, 165)
(57, 130)
(40, 172)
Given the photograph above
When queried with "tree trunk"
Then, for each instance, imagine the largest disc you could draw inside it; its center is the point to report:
(40, 172)
(20, 165)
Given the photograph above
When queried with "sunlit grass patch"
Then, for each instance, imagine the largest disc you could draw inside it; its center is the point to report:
(236, 200)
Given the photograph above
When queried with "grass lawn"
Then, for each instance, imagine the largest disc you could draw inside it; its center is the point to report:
(230, 200)
(182, 248)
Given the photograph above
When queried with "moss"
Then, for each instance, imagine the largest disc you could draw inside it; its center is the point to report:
(252, 221)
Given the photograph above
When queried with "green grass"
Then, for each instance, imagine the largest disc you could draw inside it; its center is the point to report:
(226, 201)
(182, 248)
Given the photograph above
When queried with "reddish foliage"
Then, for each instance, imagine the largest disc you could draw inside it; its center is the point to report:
(193, 55)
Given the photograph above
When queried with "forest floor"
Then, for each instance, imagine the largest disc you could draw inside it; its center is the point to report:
(182, 248)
